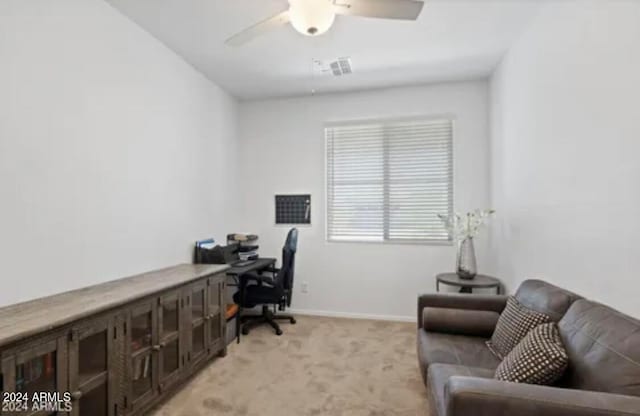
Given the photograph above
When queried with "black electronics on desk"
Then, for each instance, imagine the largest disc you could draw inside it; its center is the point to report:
(246, 245)
(240, 248)
(216, 255)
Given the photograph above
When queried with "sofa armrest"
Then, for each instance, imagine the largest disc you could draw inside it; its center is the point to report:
(495, 303)
(487, 397)
(460, 321)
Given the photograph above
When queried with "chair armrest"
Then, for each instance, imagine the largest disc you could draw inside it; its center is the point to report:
(260, 279)
(495, 303)
(486, 397)
(460, 321)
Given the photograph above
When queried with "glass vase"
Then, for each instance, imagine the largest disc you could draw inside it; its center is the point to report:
(466, 267)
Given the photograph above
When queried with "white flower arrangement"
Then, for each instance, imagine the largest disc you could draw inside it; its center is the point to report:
(463, 226)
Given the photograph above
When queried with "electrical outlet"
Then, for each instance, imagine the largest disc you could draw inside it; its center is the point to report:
(305, 287)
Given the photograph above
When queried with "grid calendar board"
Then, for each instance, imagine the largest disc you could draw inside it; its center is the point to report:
(293, 209)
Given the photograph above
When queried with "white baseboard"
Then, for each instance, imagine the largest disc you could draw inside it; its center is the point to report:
(351, 315)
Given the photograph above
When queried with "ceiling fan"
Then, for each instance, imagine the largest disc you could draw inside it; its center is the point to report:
(315, 17)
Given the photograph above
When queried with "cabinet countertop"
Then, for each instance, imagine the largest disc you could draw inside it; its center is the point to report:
(25, 319)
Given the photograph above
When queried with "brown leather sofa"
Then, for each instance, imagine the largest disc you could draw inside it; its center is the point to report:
(603, 344)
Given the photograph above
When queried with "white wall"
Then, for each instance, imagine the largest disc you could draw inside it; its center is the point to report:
(113, 151)
(566, 140)
(282, 151)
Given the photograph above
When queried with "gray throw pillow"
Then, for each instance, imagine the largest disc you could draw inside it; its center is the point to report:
(514, 324)
(540, 358)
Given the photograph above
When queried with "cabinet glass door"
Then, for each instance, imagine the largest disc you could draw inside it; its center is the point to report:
(90, 352)
(37, 374)
(197, 298)
(143, 361)
(41, 368)
(169, 345)
(215, 317)
(8, 384)
(95, 401)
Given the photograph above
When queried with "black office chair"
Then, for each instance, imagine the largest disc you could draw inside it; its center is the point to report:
(276, 290)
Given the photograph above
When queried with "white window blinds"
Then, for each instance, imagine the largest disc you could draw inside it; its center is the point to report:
(389, 180)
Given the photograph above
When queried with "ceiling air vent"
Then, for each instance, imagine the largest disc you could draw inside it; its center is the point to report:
(341, 67)
(337, 67)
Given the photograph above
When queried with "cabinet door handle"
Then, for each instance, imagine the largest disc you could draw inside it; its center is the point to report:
(156, 347)
(76, 395)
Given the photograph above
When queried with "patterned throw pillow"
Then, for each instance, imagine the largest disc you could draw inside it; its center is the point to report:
(514, 324)
(540, 358)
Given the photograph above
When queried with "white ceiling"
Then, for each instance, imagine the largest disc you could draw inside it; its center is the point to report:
(452, 40)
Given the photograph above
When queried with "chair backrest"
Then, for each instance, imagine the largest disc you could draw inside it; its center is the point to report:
(284, 279)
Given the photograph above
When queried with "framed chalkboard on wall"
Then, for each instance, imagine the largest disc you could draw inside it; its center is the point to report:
(293, 209)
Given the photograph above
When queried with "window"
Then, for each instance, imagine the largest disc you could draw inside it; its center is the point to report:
(387, 181)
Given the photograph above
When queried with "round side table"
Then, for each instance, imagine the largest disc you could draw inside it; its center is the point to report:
(480, 281)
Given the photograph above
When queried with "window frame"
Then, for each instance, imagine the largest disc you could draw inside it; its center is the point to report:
(385, 241)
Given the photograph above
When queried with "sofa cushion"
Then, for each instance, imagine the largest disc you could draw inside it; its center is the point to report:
(460, 321)
(435, 347)
(603, 347)
(439, 375)
(539, 358)
(514, 324)
(545, 298)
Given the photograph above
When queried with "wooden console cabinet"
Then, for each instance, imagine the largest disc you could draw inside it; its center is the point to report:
(117, 348)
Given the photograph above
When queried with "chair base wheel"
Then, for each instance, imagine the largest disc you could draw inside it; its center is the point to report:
(266, 317)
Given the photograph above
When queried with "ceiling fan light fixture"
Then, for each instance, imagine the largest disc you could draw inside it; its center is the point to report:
(311, 17)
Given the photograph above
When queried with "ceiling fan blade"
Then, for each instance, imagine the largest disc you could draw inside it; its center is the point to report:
(383, 9)
(258, 29)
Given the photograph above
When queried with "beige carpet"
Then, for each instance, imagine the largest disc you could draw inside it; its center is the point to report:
(320, 366)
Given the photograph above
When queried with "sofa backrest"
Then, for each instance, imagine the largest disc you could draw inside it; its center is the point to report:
(545, 298)
(604, 349)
